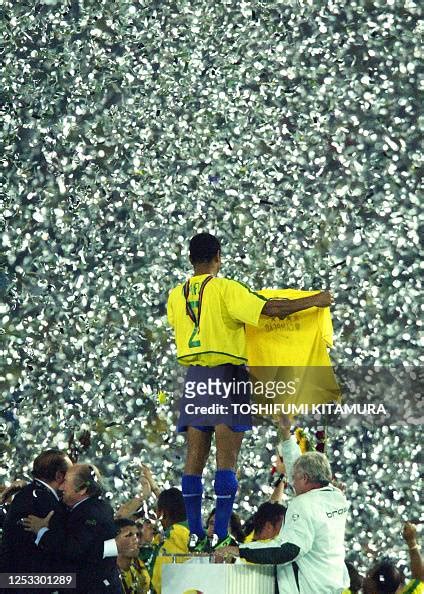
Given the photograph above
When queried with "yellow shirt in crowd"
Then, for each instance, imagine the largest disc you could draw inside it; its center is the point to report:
(219, 337)
(414, 587)
(176, 542)
(136, 579)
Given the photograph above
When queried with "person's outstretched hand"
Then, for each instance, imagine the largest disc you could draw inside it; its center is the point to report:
(324, 299)
(284, 424)
(409, 533)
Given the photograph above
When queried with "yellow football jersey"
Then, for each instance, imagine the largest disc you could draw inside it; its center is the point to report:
(176, 542)
(414, 587)
(298, 340)
(217, 335)
(294, 351)
(136, 579)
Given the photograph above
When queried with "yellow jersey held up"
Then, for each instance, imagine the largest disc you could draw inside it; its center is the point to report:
(294, 352)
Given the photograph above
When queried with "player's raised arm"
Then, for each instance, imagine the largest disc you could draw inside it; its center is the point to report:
(281, 308)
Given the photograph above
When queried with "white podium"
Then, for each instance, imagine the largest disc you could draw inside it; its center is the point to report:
(202, 578)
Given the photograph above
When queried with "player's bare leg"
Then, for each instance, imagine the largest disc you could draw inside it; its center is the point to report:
(228, 444)
(198, 448)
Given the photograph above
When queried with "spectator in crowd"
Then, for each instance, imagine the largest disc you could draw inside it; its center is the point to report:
(148, 539)
(255, 520)
(146, 475)
(235, 528)
(137, 510)
(146, 530)
(79, 540)
(220, 307)
(415, 559)
(6, 498)
(19, 553)
(8, 492)
(131, 508)
(355, 579)
(385, 578)
(134, 575)
(278, 496)
(267, 521)
(309, 549)
(171, 512)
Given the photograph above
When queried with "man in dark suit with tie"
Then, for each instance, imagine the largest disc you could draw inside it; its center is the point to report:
(18, 552)
(80, 540)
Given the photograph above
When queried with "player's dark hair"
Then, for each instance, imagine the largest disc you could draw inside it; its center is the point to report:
(267, 512)
(236, 529)
(386, 576)
(48, 463)
(172, 501)
(203, 248)
(122, 523)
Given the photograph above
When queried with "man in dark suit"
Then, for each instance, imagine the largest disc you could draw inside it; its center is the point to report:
(18, 552)
(80, 540)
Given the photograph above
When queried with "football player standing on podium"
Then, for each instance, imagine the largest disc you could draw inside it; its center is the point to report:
(208, 315)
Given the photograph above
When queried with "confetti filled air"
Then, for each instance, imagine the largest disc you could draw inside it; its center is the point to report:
(291, 131)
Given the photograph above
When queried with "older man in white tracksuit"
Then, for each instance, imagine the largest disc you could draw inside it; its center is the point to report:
(309, 550)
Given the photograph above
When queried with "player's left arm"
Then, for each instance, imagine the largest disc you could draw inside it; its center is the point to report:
(273, 552)
(281, 308)
(287, 553)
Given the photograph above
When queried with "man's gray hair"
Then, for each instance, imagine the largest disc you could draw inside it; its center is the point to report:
(316, 466)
